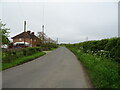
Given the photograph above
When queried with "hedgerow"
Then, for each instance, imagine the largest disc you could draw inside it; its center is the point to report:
(46, 47)
(101, 58)
(109, 48)
(11, 55)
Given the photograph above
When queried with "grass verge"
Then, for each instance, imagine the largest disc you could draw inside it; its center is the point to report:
(102, 72)
(21, 60)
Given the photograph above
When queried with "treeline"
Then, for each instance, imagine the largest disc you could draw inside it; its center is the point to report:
(109, 48)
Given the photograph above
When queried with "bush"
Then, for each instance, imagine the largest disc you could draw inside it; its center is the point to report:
(11, 55)
(109, 48)
(46, 47)
(21, 60)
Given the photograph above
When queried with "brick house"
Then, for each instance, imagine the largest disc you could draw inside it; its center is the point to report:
(28, 37)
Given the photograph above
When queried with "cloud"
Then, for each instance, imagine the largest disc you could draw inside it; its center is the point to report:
(70, 22)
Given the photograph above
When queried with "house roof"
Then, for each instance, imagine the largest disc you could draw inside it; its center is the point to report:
(27, 34)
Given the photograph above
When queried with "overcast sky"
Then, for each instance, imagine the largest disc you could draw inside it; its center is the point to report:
(71, 22)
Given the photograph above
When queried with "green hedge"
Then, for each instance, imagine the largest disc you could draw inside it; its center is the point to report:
(13, 54)
(46, 47)
(109, 48)
(21, 60)
(101, 59)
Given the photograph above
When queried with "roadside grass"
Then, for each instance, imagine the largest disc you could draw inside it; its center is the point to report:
(102, 72)
(21, 60)
(52, 49)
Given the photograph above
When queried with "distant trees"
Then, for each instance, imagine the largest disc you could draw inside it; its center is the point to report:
(4, 33)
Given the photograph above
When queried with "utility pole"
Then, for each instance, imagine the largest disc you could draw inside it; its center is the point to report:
(57, 40)
(24, 32)
(86, 38)
(49, 40)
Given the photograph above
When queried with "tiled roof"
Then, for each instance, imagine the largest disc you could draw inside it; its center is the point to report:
(25, 35)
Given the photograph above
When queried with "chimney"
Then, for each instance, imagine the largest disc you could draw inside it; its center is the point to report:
(32, 33)
(28, 32)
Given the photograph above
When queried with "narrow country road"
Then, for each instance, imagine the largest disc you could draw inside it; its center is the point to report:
(57, 69)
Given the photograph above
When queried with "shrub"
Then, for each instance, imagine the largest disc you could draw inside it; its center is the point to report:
(46, 47)
(109, 48)
(14, 53)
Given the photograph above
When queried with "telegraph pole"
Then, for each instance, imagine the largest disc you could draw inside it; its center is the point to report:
(57, 40)
(49, 40)
(86, 38)
(24, 31)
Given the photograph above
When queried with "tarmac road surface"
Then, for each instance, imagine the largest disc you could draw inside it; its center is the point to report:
(57, 69)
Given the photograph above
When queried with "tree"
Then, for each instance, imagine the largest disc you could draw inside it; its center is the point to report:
(4, 33)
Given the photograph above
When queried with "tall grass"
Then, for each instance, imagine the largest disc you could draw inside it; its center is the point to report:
(102, 72)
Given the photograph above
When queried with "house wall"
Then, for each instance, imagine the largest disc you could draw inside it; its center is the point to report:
(22, 40)
(33, 42)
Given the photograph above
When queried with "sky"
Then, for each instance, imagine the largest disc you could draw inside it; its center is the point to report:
(69, 21)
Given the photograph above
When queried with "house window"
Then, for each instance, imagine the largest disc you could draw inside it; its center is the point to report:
(20, 39)
(35, 40)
